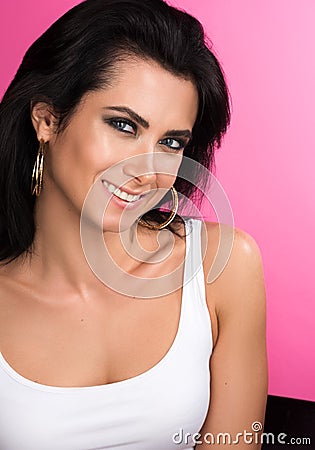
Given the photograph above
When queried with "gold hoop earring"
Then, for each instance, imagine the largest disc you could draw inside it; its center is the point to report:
(171, 217)
(37, 175)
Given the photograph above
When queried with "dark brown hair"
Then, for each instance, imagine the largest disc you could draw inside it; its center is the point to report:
(77, 54)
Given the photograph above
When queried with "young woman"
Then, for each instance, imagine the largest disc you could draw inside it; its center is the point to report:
(106, 106)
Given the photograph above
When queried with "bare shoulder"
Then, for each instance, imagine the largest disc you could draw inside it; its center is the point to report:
(243, 242)
(233, 266)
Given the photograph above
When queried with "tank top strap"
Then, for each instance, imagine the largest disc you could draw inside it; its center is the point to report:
(195, 307)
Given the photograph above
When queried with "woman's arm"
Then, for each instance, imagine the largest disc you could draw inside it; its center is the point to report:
(239, 363)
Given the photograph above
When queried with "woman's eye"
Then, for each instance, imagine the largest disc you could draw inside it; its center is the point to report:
(123, 125)
(173, 144)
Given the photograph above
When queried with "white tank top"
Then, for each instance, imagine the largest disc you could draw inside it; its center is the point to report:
(157, 410)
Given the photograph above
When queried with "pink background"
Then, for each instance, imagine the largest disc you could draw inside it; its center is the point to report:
(266, 163)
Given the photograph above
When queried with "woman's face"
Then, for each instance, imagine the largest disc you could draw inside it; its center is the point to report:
(147, 111)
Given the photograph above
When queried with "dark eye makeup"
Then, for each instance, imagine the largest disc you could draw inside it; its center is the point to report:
(126, 126)
(174, 144)
(122, 124)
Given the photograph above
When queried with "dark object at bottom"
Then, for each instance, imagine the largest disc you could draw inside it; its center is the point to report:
(291, 422)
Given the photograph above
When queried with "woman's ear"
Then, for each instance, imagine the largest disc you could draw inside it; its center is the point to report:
(44, 121)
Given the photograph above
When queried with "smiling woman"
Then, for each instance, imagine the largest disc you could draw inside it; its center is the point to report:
(101, 134)
(109, 109)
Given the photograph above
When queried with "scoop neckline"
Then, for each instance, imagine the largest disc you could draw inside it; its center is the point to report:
(126, 382)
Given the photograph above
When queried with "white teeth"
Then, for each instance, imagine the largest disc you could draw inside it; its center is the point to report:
(111, 188)
(120, 194)
(123, 195)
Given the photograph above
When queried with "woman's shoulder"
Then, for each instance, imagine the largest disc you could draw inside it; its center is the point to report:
(242, 241)
(225, 245)
(233, 266)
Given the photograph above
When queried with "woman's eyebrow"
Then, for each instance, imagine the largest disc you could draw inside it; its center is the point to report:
(124, 109)
(179, 133)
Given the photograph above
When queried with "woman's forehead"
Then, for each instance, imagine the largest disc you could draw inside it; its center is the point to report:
(148, 89)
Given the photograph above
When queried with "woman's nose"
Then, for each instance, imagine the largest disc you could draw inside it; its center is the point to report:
(141, 168)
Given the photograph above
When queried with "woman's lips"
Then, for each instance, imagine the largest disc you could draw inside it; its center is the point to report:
(123, 195)
(122, 198)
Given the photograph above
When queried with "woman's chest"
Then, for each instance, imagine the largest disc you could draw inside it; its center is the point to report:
(153, 411)
(88, 345)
